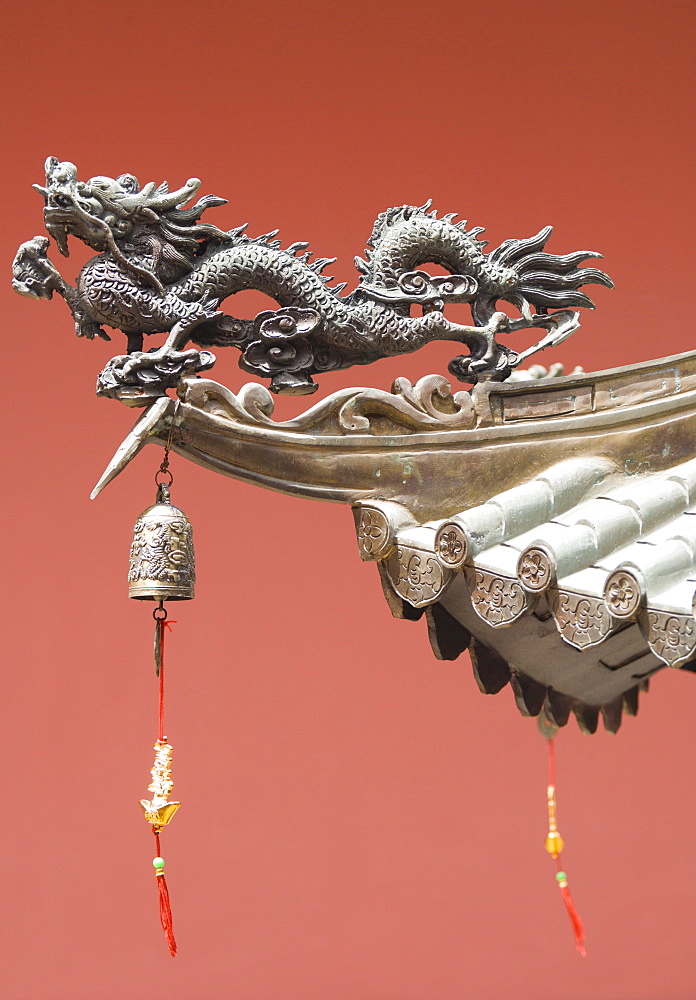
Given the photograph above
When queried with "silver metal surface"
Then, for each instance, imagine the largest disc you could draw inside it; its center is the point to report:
(160, 269)
(162, 564)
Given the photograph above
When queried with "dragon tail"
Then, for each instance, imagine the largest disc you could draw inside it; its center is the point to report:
(548, 280)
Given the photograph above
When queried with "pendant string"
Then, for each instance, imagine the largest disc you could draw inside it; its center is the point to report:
(167, 530)
(554, 845)
(162, 626)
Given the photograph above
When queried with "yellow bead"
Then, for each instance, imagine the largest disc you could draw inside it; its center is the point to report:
(554, 844)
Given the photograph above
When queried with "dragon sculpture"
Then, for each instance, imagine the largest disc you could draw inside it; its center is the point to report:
(159, 269)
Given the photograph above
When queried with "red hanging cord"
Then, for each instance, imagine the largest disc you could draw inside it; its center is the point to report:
(165, 910)
(554, 845)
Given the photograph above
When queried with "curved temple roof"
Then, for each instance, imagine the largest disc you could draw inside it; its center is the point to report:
(547, 526)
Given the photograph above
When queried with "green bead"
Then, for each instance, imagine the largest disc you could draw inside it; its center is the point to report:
(560, 876)
(158, 863)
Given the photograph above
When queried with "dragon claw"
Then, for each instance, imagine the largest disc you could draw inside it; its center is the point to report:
(89, 330)
(138, 378)
(161, 357)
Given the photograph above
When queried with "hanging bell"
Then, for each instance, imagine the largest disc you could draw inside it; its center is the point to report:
(162, 564)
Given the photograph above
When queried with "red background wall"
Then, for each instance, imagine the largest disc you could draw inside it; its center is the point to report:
(358, 820)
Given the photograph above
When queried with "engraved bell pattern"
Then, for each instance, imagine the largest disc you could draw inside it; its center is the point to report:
(162, 563)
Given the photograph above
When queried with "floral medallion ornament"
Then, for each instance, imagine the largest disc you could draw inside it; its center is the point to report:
(623, 594)
(535, 570)
(451, 545)
(374, 536)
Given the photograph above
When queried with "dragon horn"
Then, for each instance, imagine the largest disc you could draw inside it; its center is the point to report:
(42, 190)
(170, 199)
(148, 197)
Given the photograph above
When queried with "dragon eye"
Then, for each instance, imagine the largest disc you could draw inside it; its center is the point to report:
(62, 201)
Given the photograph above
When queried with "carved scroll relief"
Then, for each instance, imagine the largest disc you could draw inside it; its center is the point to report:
(416, 575)
(671, 637)
(499, 600)
(582, 620)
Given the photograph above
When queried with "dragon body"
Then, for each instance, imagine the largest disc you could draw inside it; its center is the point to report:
(159, 269)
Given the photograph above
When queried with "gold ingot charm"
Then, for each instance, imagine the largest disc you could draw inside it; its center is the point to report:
(162, 563)
(161, 816)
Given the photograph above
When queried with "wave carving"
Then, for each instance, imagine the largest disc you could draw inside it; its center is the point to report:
(408, 408)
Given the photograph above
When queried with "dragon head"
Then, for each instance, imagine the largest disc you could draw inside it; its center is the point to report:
(103, 210)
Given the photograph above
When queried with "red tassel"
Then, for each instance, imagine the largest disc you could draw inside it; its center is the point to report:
(166, 913)
(164, 904)
(554, 845)
(578, 928)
